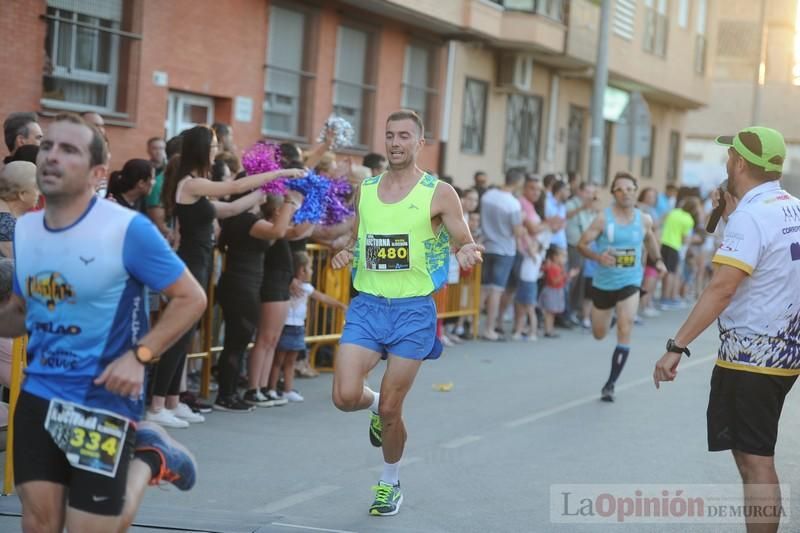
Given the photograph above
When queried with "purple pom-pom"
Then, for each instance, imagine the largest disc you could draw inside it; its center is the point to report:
(275, 187)
(336, 211)
(336, 208)
(340, 188)
(261, 157)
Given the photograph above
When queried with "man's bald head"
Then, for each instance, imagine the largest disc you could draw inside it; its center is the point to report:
(15, 177)
(16, 169)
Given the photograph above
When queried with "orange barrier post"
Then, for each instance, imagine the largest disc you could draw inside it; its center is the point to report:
(324, 324)
(461, 299)
(18, 362)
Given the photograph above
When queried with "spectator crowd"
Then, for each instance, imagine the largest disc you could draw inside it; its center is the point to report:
(194, 190)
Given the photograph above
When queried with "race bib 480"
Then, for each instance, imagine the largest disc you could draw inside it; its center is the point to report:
(387, 252)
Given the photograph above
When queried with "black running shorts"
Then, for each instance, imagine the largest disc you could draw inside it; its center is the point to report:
(744, 409)
(604, 300)
(671, 258)
(37, 458)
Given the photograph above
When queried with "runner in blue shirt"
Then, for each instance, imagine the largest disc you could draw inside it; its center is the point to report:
(621, 234)
(81, 458)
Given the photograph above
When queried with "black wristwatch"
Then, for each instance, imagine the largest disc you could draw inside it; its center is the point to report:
(674, 348)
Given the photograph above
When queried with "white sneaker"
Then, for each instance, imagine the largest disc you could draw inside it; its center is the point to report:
(587, 324)
(166, 418)
(454, 338)
(293, 396)
(650, 312)
(276, 398)
(517, 337)
(184, 412)
(445, 340)
(532, 338)
(490, 336)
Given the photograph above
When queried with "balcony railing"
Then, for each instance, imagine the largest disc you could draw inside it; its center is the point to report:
(553, 9)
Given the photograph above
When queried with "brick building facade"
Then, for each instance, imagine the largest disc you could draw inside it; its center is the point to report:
(269, 69)
(499, 83)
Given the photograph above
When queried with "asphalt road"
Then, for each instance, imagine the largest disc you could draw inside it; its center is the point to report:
(494, 454)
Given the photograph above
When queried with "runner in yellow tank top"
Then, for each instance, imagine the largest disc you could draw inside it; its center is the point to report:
(406, 221)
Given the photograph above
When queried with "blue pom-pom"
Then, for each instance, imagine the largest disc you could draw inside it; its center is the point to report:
(314, 189)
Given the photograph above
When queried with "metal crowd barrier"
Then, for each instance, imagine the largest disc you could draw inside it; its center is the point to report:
(18, 362)
(324, 324)
(462, 298)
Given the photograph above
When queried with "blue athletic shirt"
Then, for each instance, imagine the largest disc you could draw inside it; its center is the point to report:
(84, 287)
(625, 243)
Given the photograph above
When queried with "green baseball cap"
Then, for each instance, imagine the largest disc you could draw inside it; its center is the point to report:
(763, 147)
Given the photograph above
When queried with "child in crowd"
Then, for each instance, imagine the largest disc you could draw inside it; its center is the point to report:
(292, 340)
(465, 327)
(474, 223)
(553, 299)
(525, 300)
(469, 202)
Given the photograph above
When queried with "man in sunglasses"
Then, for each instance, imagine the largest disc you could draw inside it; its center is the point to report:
(619, 234)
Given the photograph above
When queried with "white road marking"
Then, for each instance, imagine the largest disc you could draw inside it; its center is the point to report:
(462, 441)
(310, 528)
(296, 499)
(594, 397)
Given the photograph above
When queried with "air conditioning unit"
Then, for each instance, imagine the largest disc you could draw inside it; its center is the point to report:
(514, 71)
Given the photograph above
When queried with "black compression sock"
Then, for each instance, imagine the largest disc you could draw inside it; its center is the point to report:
(618, 360)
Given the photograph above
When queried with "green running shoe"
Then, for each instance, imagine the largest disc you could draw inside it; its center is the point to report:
(375, 430)
(387, 499)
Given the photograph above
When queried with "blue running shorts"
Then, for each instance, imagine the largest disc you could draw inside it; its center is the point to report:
(405, 327)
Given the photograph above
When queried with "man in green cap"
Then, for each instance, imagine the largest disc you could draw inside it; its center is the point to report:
(755, 297)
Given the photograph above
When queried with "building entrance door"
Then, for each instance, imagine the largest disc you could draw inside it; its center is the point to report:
(187, 110)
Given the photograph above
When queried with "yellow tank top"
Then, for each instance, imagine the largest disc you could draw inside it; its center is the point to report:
(397, 254)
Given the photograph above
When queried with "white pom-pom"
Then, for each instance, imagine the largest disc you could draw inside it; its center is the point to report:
(343, 132)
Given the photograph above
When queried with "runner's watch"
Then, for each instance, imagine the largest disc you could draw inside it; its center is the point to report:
(674, 348)
(143, 354)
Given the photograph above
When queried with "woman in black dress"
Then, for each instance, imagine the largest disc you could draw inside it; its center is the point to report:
(186, 194)
(245, 238)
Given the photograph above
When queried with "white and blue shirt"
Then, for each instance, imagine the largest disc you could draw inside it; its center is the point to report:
(760, 328)
(84, 287)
